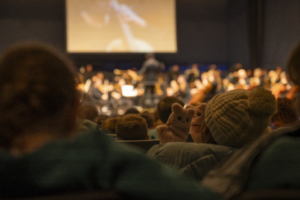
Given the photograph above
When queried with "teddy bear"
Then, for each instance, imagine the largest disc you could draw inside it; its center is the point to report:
(177, 127)
(198, 123)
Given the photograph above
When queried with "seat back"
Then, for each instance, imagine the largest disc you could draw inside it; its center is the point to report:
(145, 145)
(114, 136)
(270, 194)
(90, 195)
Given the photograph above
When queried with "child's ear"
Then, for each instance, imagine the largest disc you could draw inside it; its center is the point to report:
(190, 111)
(176, 107)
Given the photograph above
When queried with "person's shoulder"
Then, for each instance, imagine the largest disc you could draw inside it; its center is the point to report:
(175, 149)
(194, 146)
(286, 147)
(278, 165)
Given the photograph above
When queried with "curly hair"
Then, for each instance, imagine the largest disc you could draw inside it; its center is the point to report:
(37, 87)
(132, 127)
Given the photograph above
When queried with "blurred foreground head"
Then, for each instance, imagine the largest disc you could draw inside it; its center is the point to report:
(38, 95)
(293, 65)
(293, 69)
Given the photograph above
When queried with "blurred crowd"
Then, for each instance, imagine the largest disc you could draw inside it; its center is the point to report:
(114, 93)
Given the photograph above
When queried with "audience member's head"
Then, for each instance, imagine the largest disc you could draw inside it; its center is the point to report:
(242, 73)
(285, 114)
(249, 72)
(132, 127)
(257, 72)
(132, 111)
(149, 119)
(100, 119)
(164, 107)
(157, 120)
(89, 68)
(110, 124)
(38, 97)
(238, 117)
(238, 66)
(87, 112)
(175, 68)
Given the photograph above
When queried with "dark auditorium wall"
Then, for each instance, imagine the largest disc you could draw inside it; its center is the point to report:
(39, 20)
(202, 30)
(237, 37)
(281, 31)
(207, 30)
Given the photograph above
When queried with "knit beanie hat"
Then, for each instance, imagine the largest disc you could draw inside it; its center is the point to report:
(238, 117)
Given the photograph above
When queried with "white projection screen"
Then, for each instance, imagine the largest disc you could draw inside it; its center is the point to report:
(121, 26)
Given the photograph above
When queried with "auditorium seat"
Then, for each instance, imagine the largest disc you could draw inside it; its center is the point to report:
(90, 195)
(114, 136)
(141, 144)
(269, 194)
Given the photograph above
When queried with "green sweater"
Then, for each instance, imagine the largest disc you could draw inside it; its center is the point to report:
(92, 161)
(277, 166)
(270, 162)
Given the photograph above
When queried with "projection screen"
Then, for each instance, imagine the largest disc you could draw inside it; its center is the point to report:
(121, 26)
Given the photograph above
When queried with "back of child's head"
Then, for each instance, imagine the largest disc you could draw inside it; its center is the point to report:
(87, 112)
(38, 92)
(164, 107)
(131, 111)
(132, 127)
(110, 124)
(238, 117)
(149, 119)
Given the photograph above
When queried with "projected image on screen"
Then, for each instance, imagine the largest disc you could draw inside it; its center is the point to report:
(121, 26)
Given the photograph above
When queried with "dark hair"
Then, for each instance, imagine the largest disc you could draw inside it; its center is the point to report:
(164, 107)
(100, 120)
(37, 87)
(132, 127)
(293, 65)
(110, 124)
(293, 70)
(149, 119)
(87, 112)
(285, 112)
(132, 111)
